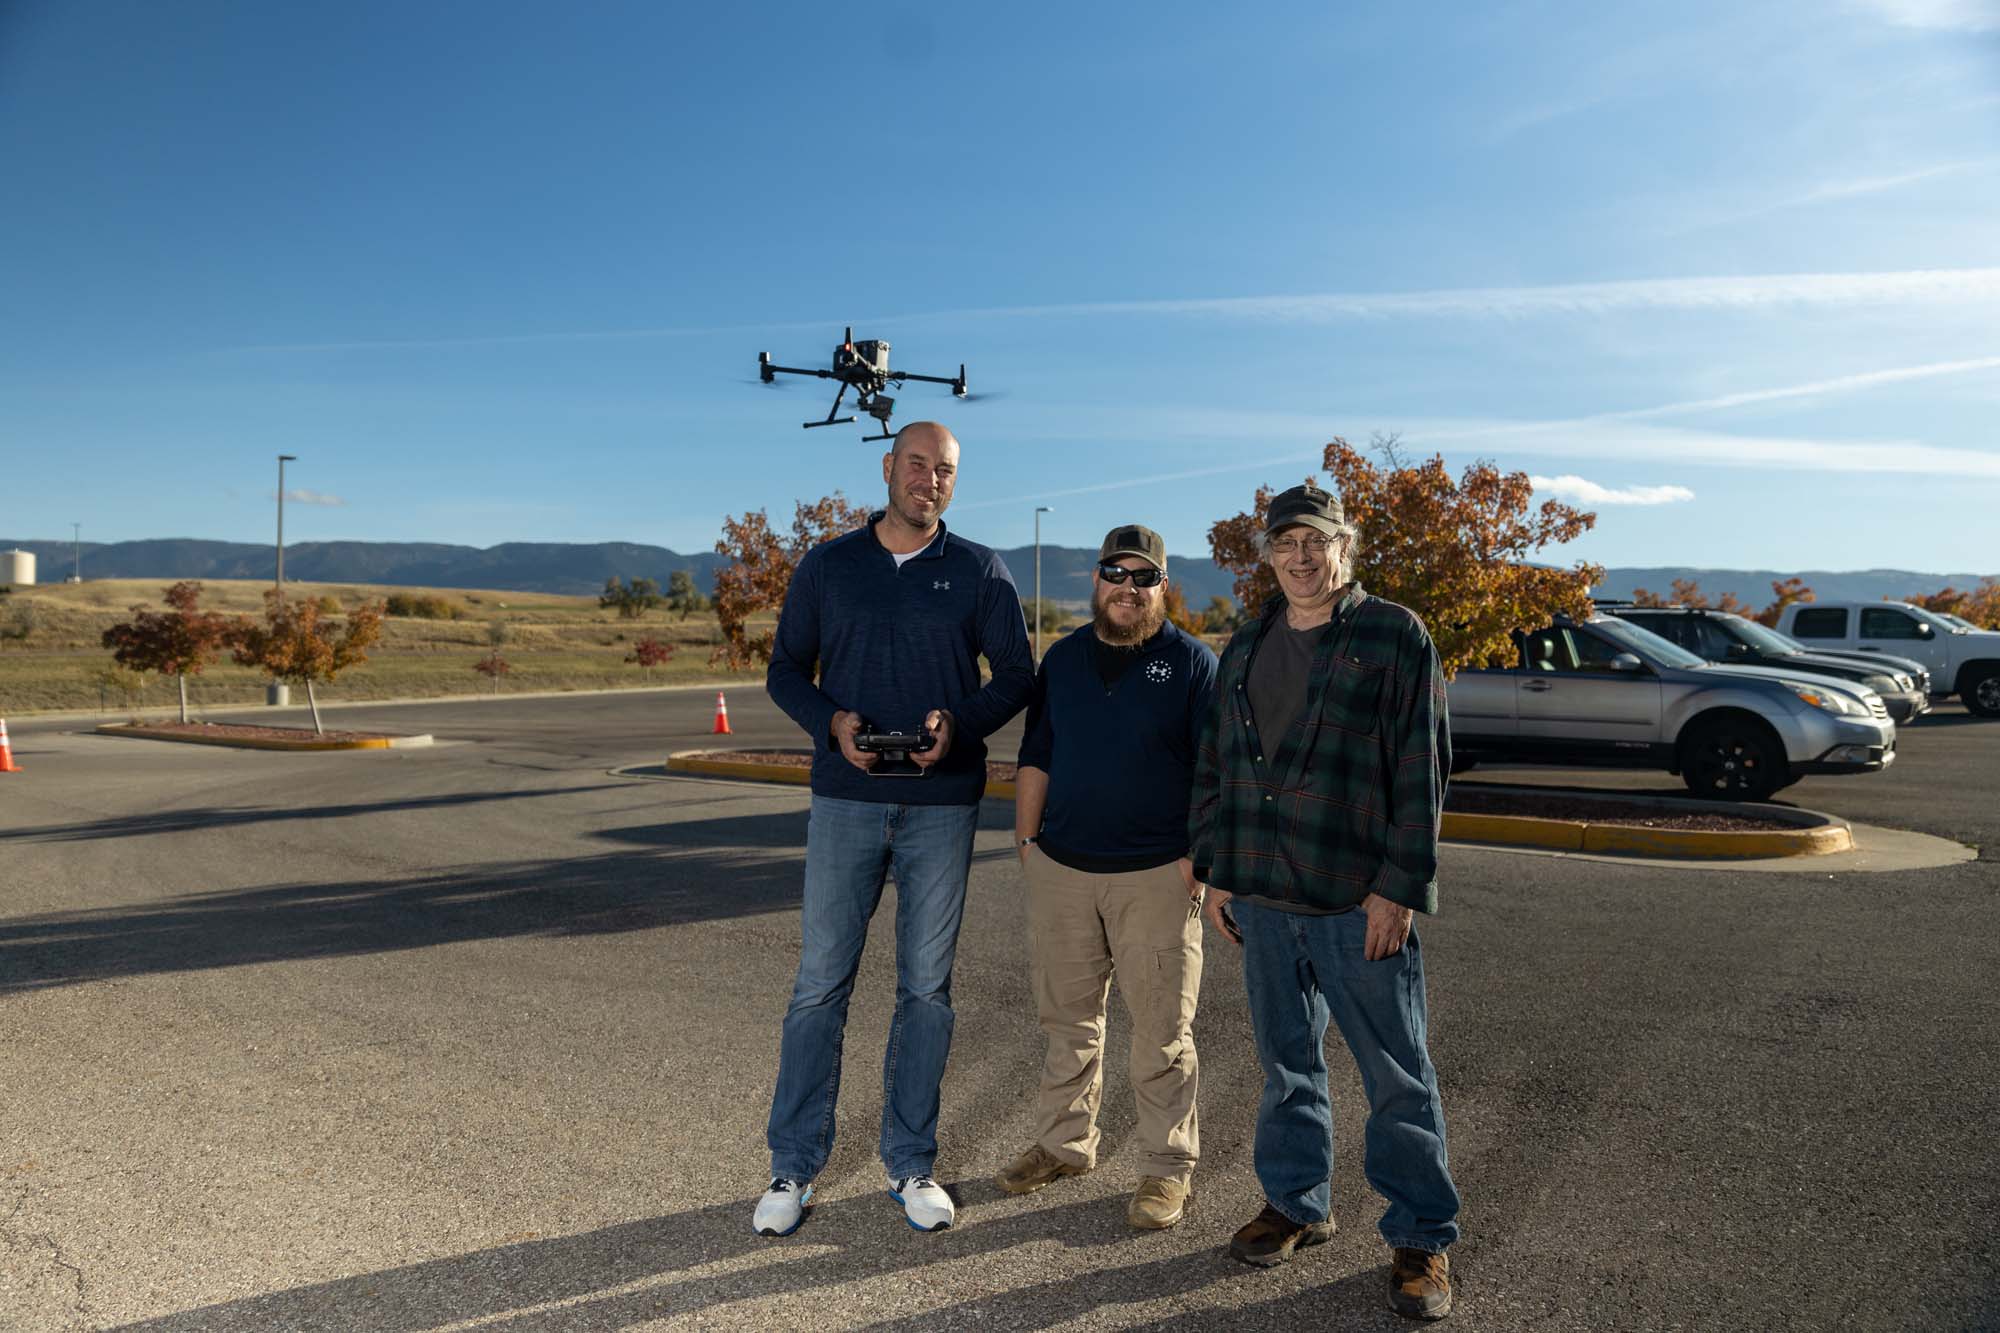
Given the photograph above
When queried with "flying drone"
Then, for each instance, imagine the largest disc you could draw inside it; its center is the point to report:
(864, 367)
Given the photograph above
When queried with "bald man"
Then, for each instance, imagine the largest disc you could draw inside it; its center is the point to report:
(882, 631)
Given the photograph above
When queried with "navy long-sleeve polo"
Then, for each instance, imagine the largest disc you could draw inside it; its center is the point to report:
(1120, 759)
(891, 643)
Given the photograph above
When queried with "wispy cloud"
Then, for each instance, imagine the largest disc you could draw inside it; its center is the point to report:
(1964, 286)
(1830, 191)
(1946, 15)
(1867, 379)
(1569, 486)
(1743, 292)
(304, 497)
(1847, 189)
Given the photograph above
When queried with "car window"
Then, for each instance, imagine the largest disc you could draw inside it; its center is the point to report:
(1712, 640)
(1648, 646)
(1757, 635)
(1548, 650)
(1820, 622)
(1886, 622)
(1594, 653)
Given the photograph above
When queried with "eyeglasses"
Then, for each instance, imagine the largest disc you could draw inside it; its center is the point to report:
(1293, 545)
(1141, 578)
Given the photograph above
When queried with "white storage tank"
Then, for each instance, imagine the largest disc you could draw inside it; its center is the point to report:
(17, 568)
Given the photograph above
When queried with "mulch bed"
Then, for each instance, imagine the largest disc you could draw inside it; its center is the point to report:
(1461, 800)
(244, 731)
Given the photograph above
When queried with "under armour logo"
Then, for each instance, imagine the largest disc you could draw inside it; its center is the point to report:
(1159, 671)
(940, 585)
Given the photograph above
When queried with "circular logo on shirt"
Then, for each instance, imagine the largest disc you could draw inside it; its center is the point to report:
(1159, 671)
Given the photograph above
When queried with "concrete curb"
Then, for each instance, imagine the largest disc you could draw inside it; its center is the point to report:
(400, 701)
(694, 761)
(1816, 834)
(130, 732)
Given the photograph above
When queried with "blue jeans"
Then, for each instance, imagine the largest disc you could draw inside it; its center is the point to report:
(850, 847)
(1299, 970)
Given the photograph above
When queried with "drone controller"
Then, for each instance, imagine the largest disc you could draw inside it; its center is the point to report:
(895, 748)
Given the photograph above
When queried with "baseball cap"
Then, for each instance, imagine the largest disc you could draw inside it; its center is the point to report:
(1132, 539)
(1308, 505)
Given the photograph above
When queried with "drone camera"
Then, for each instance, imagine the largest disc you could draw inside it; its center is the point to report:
(880, 407)
(873, 354)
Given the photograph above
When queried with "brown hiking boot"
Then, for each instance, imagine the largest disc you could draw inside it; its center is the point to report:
(1034, 1169)
(1420, 1284)
(1269, 1238)
(1158, 1203)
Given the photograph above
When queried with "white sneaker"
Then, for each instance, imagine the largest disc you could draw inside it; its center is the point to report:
(924, 1202)
(782, 1208)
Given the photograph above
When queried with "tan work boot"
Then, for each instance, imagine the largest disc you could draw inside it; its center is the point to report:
(1420, 1284)
(1158, 1203)
(1034, 1169)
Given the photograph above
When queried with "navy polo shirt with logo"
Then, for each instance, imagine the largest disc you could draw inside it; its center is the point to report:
(1120, 756)
(893, 642)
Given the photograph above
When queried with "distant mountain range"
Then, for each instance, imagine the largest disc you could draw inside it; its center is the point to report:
(572, 568)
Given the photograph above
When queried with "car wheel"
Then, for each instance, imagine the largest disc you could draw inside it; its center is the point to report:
(1982, 694)
(1733, 759)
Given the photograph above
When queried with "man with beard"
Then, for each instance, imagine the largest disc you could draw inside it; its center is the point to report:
(882, 631)
(1101, 799)
(1316, 812)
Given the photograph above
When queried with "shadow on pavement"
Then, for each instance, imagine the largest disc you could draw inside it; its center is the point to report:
(759, 869)
(212, 817)
(624, 1274)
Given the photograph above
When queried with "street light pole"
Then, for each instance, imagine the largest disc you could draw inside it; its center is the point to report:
(1039, 511)
(282, 460)
(76, 532)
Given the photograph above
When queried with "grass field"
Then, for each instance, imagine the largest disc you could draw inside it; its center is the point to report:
(552, 643)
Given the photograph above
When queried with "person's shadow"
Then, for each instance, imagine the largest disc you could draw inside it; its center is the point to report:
(624, 1274)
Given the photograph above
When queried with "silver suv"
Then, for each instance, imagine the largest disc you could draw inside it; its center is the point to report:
(1606, 692)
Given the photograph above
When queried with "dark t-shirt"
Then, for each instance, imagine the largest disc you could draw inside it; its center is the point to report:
(1280, 674)
(1112, 660)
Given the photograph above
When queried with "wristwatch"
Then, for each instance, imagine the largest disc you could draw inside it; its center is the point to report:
(1027, 842)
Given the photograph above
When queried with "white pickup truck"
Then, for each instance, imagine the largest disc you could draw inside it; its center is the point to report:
(1962, 662)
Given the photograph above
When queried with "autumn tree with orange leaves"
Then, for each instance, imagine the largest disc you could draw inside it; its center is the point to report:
(1174, 603)
(1981, 605)
(299, 643)
(1687, 592)
(181, 641)
(760, 570)
(1453, 550)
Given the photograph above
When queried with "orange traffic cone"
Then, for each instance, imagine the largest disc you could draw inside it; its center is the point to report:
(7, 764)
(721, 716)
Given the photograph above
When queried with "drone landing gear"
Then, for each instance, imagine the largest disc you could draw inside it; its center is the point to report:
(832, 419)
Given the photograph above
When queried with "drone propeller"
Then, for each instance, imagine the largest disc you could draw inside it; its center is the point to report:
(985, 397)
(773, 383)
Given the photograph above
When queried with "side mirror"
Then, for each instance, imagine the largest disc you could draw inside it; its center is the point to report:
(1627, 662)
(1924, 630)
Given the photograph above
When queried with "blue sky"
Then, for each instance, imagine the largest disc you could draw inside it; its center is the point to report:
(499, 271)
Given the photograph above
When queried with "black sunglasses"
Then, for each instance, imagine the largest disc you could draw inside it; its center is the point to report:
(1141, 578)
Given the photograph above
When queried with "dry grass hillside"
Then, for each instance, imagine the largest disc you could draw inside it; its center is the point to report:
(552, 643)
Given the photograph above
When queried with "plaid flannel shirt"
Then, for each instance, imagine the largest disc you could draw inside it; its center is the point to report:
(1348, 801)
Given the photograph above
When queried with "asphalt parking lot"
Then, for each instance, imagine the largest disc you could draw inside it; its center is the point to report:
(482, 1036)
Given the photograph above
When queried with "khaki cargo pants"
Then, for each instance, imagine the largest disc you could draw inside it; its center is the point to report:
(1081, 928)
